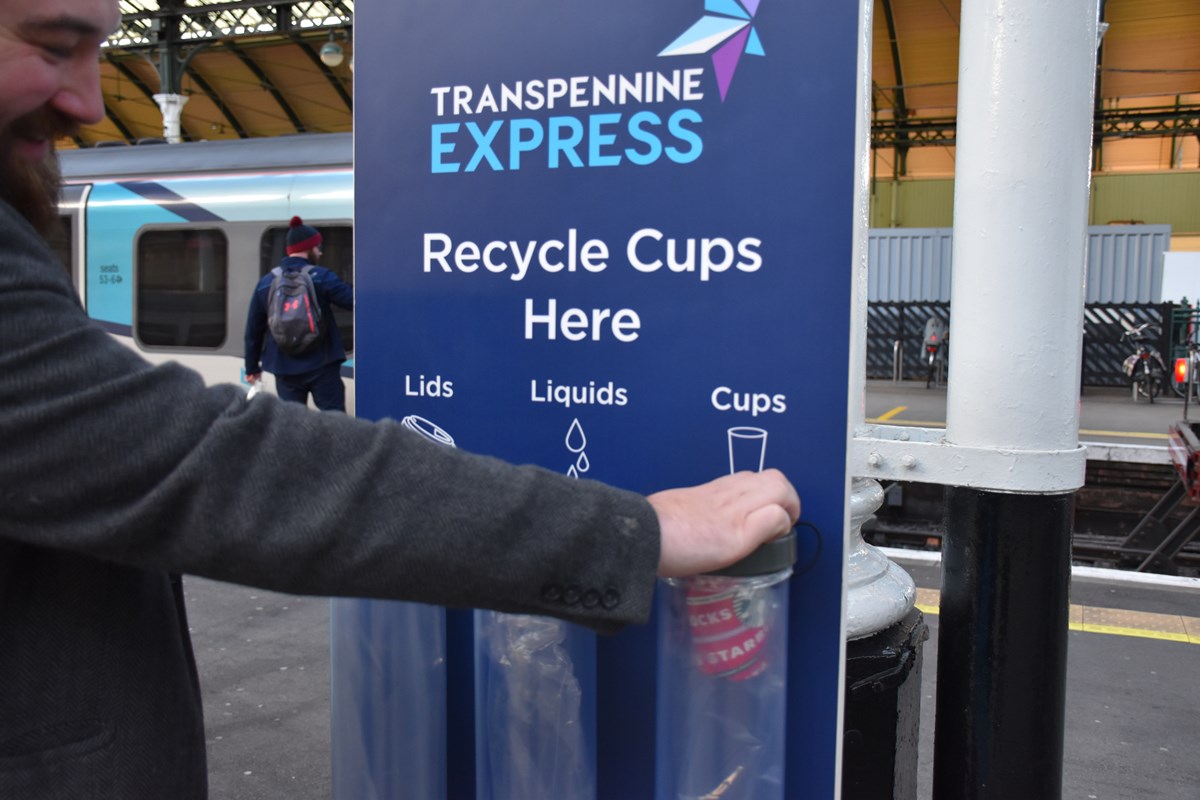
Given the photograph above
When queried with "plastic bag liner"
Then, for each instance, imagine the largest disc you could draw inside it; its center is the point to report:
(722, 685)
(535, 708)
(387, 700)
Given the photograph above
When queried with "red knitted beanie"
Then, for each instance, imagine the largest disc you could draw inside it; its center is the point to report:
(301, 238)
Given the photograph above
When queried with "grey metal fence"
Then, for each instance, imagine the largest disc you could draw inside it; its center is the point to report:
(895, 333)
(895, 337)
(1103, 349)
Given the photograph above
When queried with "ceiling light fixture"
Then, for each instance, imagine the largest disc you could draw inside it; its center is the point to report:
(332, 54)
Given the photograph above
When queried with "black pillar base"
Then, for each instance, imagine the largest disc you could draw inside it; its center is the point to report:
(1002, 646)
(883, 712)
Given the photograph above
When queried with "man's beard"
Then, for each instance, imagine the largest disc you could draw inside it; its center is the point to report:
(32, 187)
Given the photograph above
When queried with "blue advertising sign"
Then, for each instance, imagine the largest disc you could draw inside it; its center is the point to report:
(614, 239)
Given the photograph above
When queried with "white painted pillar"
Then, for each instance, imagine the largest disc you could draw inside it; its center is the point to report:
(1026, 78)
(878, 592)
(171, 106)
(862, 219)
(1025, 104)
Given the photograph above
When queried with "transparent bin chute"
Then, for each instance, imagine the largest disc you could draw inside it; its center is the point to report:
(535, 708)
(722, 680)
(535, 698)
(388, 691)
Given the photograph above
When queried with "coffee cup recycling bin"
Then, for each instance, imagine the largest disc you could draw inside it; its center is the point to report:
(722, 679)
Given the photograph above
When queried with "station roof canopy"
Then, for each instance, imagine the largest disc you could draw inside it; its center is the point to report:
(252, 68)
(1147, 84)
(249, 69)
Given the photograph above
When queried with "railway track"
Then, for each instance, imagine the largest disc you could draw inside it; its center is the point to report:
(1114, 500)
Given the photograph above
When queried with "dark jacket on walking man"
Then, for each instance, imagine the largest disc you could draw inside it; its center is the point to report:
(318, 370)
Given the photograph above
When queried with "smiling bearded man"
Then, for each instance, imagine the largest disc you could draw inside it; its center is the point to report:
(31, 184)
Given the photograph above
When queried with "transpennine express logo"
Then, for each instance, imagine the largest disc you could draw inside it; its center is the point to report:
(610, 119)
(727, 31)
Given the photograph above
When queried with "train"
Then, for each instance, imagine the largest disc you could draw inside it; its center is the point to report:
(166, 242)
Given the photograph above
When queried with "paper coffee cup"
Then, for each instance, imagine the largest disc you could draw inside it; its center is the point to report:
(728, 637)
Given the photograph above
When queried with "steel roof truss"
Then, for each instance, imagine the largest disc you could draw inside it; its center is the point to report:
(333, 79)
(232, 20)
(217, 101)
(267, 84)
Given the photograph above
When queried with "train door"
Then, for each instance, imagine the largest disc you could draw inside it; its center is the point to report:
(69, 240)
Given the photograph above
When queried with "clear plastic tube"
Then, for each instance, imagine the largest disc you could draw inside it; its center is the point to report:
(388, 691)
(722, 685)
(534, 708)
(387, 700)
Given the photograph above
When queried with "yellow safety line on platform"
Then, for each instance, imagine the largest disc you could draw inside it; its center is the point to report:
(889, 418)
(908, 423)
(1116, 630)
(1142, 624)
(890, 414)
(1124, 434)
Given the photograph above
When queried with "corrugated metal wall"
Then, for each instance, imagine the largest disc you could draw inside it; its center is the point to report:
(905, 264)
(1125, 263)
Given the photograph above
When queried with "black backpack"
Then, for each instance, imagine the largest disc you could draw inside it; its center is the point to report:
(293, 314)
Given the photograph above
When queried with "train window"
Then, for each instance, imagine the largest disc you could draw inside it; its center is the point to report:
(181, 288)
(337, 254)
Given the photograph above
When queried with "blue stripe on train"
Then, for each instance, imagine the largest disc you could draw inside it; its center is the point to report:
(172, 201)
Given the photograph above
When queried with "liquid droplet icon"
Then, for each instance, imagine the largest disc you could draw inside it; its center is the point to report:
(571, 472)
(582, 463)
(576, 441)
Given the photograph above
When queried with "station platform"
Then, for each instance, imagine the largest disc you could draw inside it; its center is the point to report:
(1133, 713)
(1107, 415)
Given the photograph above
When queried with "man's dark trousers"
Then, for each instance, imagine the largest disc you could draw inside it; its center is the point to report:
(325, 384)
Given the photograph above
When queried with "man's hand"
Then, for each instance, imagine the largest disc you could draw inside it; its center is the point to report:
(253, 377)
(707, 527)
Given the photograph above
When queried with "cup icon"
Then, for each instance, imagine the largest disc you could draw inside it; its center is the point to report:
(747, 449)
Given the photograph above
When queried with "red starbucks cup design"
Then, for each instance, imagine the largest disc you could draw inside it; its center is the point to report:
(728, 637)
(728, 611)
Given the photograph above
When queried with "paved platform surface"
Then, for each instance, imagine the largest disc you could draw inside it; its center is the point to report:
(1133, 718)
(1107, 415)
(1133, 709)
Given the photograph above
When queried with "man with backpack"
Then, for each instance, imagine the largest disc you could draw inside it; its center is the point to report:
(292, 303)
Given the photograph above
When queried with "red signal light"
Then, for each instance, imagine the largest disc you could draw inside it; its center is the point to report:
(1181, 370)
